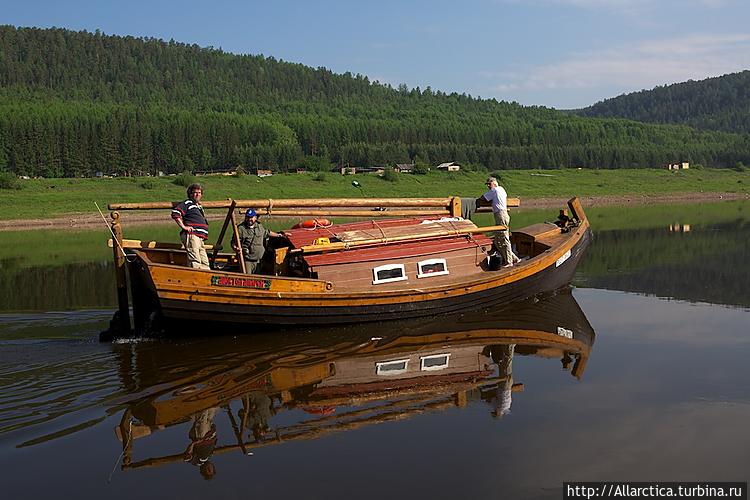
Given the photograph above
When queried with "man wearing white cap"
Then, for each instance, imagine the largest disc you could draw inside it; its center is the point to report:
(498, 199)
(253, 239)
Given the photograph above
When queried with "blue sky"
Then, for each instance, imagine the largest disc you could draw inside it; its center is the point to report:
(558, 53)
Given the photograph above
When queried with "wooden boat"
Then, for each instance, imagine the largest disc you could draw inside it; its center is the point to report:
(342, 378)
(406, 261)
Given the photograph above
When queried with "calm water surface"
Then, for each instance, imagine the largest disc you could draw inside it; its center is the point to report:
(639, 374)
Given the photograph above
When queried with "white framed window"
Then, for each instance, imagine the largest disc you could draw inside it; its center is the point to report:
(434, 362)
(431, 267)
(395, 367)
(388, 273)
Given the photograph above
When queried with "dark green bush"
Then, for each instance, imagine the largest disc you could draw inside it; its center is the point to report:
(9, 181)
(389, 175)
(420, 169)
(184, 179)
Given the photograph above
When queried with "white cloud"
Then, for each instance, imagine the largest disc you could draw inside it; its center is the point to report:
(635, 66)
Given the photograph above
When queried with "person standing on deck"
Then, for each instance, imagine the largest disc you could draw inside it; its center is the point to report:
(191, 219)
(253, 238)
(498, 199)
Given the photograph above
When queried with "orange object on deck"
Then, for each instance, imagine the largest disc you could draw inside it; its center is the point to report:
(312, 224)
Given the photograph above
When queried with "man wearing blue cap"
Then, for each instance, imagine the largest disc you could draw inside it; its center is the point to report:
(253, 239)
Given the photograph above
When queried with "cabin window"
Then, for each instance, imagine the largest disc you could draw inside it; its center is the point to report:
(394, 367)
(435, 362)
(388, 273)
(431, 267)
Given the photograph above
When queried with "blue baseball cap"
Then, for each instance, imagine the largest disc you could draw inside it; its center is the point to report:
(250, 213)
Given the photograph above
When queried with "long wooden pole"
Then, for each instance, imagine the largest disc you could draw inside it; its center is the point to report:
(240, 257)
(271, 204)
(368, 214)
(228, 220)
(143, 244)
(237, 430)
(297, 203)
(396, 239)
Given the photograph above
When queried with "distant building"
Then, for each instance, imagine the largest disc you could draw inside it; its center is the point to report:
(371, 170)
(301, 170)
(404, 168)
(263, 172)
(451, 166)
(677, 166)
(346, 169)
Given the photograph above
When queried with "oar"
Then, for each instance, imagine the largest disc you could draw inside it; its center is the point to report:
(239, 245)
(227, 220)
(237, 430)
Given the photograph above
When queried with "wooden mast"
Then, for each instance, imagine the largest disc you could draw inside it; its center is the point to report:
(120, 278)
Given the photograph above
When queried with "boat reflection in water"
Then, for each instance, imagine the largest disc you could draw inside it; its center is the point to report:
(341, 379)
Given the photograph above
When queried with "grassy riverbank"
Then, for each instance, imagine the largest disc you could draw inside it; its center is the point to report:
(44, 198)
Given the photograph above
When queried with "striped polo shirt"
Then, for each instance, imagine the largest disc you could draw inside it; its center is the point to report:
(192, 215)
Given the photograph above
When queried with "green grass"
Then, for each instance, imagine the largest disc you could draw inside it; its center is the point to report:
(39, 198)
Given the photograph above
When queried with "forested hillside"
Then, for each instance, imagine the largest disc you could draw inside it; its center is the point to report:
(721, 103)
(73, 103)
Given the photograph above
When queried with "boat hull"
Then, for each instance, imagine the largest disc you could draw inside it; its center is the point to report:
(545, 274)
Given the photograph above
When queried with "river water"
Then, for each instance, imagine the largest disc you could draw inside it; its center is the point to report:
(639, 373)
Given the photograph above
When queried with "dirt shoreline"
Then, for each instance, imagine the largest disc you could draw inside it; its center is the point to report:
(91, 220)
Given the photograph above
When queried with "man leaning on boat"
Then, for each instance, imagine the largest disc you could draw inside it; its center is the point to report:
(498, 199)
(191, 219)
(253, 239)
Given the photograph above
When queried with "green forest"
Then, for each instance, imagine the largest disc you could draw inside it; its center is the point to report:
(721, 103)
(77, 103)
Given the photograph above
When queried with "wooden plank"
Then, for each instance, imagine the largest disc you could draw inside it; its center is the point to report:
(576, 209)
(296, 203)
(540, 230)
(143, 244)
(268, 203)
(393, 232)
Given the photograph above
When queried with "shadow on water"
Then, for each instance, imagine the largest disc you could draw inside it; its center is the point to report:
(313, 383)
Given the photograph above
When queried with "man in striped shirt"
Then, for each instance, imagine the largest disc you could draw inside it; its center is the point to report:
(192, 221)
